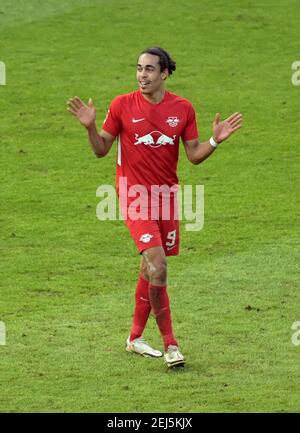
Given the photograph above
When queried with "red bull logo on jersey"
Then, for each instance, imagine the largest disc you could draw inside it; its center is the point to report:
(154, 139)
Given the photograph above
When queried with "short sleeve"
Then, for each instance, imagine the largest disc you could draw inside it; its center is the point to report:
(190, 131)
(112, 122)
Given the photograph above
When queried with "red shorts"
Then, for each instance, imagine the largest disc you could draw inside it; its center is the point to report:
(153, 233)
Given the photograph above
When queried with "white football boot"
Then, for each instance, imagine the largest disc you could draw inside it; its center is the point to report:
(141, 347)
(173, 357)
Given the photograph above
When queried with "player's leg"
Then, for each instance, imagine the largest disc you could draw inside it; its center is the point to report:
(157, 269)
(142, 303)
(135, 342)
(159, 299)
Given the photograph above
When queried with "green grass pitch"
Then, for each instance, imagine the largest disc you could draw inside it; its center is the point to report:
(67, 279)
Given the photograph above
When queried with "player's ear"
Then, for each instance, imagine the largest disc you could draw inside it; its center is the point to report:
(165, 74)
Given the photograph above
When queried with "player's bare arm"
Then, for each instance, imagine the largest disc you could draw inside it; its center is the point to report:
(222, 130)
(86, 115)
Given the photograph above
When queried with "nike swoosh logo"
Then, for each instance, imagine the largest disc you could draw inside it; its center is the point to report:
(137, 120)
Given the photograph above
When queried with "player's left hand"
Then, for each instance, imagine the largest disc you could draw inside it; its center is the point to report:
(222, 129)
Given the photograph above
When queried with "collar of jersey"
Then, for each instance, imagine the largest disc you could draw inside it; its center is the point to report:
(150, 103)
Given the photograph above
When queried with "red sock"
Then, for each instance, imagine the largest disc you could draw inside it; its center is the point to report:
(142, 308)
(160, 304)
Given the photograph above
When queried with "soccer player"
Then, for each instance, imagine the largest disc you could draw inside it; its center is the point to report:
(148, 124)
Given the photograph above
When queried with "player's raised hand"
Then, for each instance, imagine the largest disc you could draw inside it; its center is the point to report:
(222, 129)
(86, 114)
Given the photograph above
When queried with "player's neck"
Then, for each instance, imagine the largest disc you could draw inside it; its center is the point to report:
(155, 97)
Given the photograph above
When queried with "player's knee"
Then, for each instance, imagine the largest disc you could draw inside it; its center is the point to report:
(158, 273)
(144, 272)
(144, 269)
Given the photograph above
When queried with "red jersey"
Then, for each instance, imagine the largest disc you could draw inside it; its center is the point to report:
(148, 136)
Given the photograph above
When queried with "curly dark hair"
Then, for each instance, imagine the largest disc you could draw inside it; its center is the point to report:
(165, 60)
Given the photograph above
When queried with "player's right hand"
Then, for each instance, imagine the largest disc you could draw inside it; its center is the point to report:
(86, 114)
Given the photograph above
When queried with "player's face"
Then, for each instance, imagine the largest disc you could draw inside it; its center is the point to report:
(149, 75)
